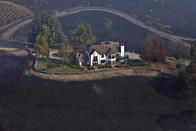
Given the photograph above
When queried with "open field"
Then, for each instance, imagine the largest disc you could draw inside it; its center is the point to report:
(12, 14)
(29, 103)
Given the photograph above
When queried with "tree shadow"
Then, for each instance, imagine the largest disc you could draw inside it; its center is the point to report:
(168, 86)
(183, 121)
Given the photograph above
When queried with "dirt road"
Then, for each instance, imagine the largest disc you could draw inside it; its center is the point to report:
(108, 10)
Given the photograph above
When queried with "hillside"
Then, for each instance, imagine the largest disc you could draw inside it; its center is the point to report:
(125, 32)
(174, 16)
(126, 103)
(11, 14)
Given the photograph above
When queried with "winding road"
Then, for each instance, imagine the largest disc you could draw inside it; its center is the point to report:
(108, 10)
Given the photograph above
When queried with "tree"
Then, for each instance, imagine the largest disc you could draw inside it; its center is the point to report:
(45, 32)
(55, 29)
(65, 51)
(178, 49)
(36, 27)
(41, 47)
(48, 26)
(152, 48)
(83, 35)
(188, 76)
(193, 49)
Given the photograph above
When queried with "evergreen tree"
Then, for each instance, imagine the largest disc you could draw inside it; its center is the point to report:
(45, 32)
(83, 35)
(41, 47)
(36, 27)
(55, 29)
(48, 26)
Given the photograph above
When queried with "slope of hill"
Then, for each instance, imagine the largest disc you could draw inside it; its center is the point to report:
(11, 14)
(174, 16)
(106, 27)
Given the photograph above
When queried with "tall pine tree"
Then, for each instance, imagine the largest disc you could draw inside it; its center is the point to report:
(48, 26)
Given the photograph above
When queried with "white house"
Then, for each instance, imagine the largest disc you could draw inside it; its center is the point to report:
(106, 53)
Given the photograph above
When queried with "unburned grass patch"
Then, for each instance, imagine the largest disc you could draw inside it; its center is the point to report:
(54, 67)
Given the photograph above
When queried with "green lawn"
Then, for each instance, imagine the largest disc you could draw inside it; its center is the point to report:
(52, 67)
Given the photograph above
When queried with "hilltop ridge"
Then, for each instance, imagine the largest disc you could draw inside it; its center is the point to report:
(173, 16)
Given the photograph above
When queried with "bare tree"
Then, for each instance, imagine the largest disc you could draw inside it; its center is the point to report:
(152, 48)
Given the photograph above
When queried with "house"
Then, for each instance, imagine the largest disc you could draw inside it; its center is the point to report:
(106, 53)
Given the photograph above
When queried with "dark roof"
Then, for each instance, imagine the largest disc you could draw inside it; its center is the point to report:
(106, 48)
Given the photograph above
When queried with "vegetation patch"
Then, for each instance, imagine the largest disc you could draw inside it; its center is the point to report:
(137, 63)
(54, 67)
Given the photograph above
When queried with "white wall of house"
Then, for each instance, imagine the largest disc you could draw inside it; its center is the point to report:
(95, 54)
(104, 57)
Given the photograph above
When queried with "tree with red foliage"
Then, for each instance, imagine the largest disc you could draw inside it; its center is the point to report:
(152, 48)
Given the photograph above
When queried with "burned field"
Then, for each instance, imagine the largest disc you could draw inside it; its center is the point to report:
(124, 103)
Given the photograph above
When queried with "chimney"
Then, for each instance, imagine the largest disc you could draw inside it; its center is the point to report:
(122, 50)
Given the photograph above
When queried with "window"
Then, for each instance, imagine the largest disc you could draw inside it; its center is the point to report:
(102, 61)
(102, 56)
(95, 58)
(83, 63)
(95, 64)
